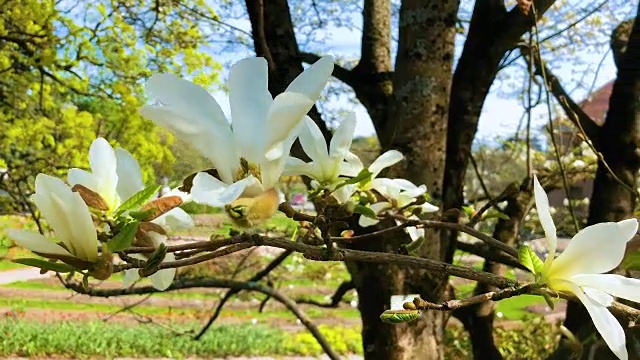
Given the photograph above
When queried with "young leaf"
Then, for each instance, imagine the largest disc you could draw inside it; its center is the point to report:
(399, 316)
(530, 259)
(124, 238)
(366, 211)
(495, 214)
(138, 199)
(363, 176)
(469, 211)
(45, 265)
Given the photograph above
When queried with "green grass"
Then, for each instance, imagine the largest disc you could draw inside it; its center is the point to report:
(82, 340)
(150, 310)
(515, 308)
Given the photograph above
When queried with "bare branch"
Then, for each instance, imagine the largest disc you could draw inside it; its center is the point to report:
(218, 283)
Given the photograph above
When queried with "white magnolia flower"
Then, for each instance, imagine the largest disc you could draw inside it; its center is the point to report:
(398, 193)
(581, 268)
(130, 182)
(161, 279)
(260, 136)
(383, 161)
(327, 165)
(103, 178)
(68, 216)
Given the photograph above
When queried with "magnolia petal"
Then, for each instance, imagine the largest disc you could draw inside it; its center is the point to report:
(585, 255)
(313, 142)
(237, 189)
(129, 174)
(344, 193)
(285, 113)
(206, 189)
(414, 232)
(36, 242)
(295, 167)
(162, 279)
(130, 277)
(544, 213)
(385, 160)
(347, 169)
(606, 324)
(354, 161)
(249, 99)
(103, 166)
(429, 208)
(68, 215)
(367, 221)
(175, 219)
(628, 228)
(85, 178)
(386, 187)
(602, 298)
(186, 98)
(616, 285)
(343, 136)
(311, 81)
(212, 140)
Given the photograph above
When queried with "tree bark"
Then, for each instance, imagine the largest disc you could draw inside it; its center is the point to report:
(416, 120)
(615, 199)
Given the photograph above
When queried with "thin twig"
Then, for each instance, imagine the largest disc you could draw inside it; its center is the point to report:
(219, 283)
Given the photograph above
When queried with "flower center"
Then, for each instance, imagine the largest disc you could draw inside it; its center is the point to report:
(246, 169)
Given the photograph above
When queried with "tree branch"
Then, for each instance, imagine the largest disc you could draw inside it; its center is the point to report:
(218, 283)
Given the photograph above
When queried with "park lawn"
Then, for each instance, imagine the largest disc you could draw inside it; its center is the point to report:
(108, 340)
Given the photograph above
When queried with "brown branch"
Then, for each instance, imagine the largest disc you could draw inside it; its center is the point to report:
(341, 291)
(255, 278)
(629, 313)
(218, 283)
(484, 251)
(461, 228)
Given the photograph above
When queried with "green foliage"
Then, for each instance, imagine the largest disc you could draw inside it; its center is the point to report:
(124, 237)
(534, 339)
(74, 71)
(45, 265)
(114, 340)
(138, 199)
(530, 259)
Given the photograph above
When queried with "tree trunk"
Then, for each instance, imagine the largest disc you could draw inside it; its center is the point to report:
(615, 199)
(417, 121)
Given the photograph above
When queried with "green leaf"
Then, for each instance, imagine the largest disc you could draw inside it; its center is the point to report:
(530, 259)
(141, 215)
(138, 199)
(46, 265)
(469, 211)
(495, 214)
(363, 176)
(366, 211)
(399, 316)
(631, 262)
(124, 238)
(413, 246)
(155, 259)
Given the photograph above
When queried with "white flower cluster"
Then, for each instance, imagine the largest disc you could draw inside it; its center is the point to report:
(77, 217)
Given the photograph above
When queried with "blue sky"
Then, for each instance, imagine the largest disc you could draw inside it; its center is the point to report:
(580, 68)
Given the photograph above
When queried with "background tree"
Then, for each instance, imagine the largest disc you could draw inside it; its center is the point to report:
(73, 71)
